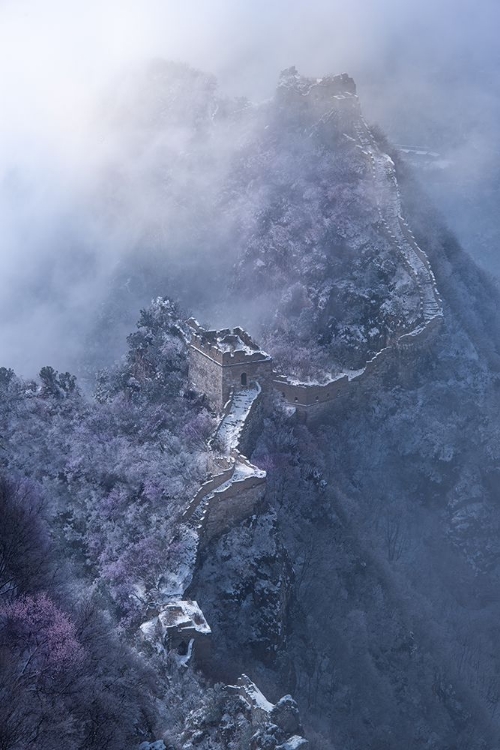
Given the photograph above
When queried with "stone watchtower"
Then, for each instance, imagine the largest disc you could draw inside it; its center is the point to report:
(222, 361)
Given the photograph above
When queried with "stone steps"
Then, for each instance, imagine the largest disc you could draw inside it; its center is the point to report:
(390, 215)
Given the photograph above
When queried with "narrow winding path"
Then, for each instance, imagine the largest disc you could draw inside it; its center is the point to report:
(227, 439)
(396, 229)
(389, 209)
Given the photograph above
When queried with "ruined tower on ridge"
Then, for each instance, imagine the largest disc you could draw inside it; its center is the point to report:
(225, 360)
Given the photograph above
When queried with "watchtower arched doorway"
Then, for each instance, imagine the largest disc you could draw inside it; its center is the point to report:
(243, 378)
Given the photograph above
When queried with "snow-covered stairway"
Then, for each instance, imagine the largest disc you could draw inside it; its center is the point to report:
(222, 501)
(228, 435)
(231, 495)
(230, 502)
(395, 227)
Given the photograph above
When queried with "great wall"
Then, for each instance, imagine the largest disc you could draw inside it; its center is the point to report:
(232, 494)
(307, 398)
(230, 369)
(223, 363)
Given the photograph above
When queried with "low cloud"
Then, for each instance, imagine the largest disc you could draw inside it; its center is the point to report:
(426, 71)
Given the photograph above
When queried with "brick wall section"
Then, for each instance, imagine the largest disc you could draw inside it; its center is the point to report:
(216, 373)
(248, 428)
(423, 257)
(237, 487)
(205, 489)
(255, 367)
(205, 376)
(231, 506)
(249, 433)
(423, 336)
(302, 394)
(308, 399)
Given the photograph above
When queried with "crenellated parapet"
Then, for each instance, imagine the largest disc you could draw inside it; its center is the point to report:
(180, 628)
(309, 394)
(226, 346)
(308, 398)
(224, 361)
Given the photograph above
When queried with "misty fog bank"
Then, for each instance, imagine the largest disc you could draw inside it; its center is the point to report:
(427, 73)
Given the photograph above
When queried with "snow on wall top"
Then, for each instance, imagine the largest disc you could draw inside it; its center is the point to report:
(183, 615)
(226, 343)
(231, 427)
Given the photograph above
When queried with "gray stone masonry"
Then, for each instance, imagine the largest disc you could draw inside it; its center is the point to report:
(221, 362)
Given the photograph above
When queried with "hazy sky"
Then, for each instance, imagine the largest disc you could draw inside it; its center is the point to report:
(419, 64)
(55, 54)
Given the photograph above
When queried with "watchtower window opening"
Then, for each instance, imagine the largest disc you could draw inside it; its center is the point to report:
(243, 378)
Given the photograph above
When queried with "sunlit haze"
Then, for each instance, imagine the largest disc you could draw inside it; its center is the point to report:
(424, 79)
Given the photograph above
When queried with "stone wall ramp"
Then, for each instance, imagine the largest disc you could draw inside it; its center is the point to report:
(389, 207)
(231, 427)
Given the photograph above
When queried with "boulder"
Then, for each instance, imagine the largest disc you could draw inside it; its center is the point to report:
(285, 714)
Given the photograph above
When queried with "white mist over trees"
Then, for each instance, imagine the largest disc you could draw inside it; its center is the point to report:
(62, 62)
